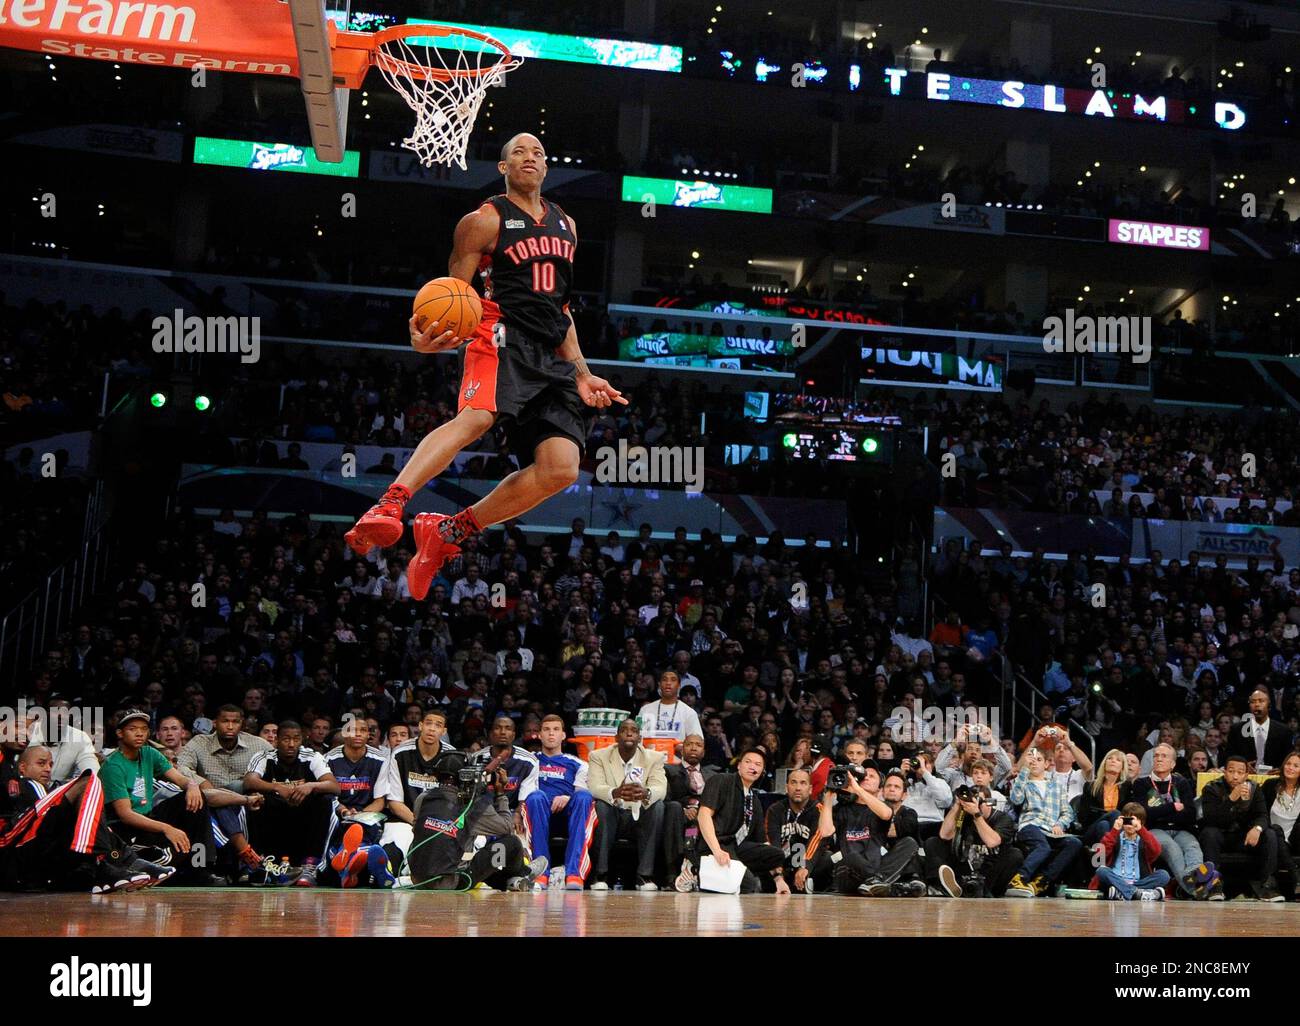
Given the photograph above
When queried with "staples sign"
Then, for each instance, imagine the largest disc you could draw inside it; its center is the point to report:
(1165, 236)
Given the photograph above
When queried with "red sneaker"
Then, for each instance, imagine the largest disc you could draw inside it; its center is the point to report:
(382, 523)
(431, 551)
(352, 837)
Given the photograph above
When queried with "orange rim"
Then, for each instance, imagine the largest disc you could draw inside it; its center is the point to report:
(380, 56)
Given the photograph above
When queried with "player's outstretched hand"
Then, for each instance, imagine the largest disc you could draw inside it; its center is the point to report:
(598, 392)
(430, 340)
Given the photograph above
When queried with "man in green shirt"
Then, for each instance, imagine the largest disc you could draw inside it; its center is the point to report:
(128, 776)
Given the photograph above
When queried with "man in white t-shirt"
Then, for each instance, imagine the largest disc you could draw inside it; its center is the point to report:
(668, 714)
(1069, 778)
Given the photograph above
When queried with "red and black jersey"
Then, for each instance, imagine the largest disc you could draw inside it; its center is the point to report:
(527, 278)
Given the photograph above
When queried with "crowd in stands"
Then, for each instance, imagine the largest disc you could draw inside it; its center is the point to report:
(788, 674)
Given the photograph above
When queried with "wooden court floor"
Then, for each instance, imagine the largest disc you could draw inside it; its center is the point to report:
(180, 912)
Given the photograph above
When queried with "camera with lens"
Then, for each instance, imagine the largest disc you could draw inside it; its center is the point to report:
(965, 793)
(838, 778)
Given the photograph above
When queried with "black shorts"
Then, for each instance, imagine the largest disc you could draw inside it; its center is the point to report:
(531, 389)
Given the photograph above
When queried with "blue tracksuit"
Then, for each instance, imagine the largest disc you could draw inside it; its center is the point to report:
(562, 775)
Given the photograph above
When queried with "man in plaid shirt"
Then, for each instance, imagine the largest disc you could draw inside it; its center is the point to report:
(1045, 816)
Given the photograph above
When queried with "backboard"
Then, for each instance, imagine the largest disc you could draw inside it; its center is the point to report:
(307, 39)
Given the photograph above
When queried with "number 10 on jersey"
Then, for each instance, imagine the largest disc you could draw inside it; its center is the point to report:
(544, 276)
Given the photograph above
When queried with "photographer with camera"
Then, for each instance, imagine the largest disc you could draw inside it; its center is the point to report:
(853, 817)
(464, 830)
(973, 854)
(928, 794)
(1130, 855)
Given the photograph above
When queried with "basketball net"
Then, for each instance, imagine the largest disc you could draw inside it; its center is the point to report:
(442, 73)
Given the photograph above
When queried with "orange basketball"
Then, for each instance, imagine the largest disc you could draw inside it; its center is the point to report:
(452, 303)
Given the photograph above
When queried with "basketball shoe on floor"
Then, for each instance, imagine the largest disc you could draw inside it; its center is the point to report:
(157, 874)
(381, 871)
(382, 523)
(431, 551)
(351, 842)
(112, 877)
(536, 871)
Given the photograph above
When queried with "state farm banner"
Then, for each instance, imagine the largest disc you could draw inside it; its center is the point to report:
(1161, 236)
(220, 35)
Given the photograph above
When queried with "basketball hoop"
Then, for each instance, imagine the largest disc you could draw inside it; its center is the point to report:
(442, 73)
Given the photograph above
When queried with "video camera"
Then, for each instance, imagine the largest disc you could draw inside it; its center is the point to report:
(837, 779)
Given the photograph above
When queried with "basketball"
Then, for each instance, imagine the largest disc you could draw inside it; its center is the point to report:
(452, 303)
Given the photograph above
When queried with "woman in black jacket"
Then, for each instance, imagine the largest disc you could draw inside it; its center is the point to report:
(1282, 799)
(1102, 799)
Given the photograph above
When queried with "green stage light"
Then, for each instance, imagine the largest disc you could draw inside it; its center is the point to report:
(870, 445)
(790, 441)
(158, 400)
(202, 402)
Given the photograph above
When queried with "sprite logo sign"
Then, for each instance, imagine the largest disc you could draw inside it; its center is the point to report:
(272, 156)
(675, 192)
(277, 155)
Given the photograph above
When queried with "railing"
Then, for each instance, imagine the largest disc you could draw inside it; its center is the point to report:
(50, 606)
(1020, 695)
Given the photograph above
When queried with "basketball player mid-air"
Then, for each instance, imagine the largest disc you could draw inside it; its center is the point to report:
(521, 369)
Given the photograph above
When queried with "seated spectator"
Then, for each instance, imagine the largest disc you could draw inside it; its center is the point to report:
(1045, 816)
(1071, 768)
(628, 784)
(903, 834)
(72, 748)
(562, 792)
(173, 736)
(792, 822)
(408, 772)
(68, 845)
(1170, 802)
(1102, 799)
(686, 780)
(717, 749)
(222, 759)
(732, 826)
(1282, 799)
(294, 821)
(973, 855)
(129, 776)
(1130, 852)
(1235, 819)
(518, 767)
(928, 795)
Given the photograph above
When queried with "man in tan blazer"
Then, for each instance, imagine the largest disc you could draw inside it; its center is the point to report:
(629, 785)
